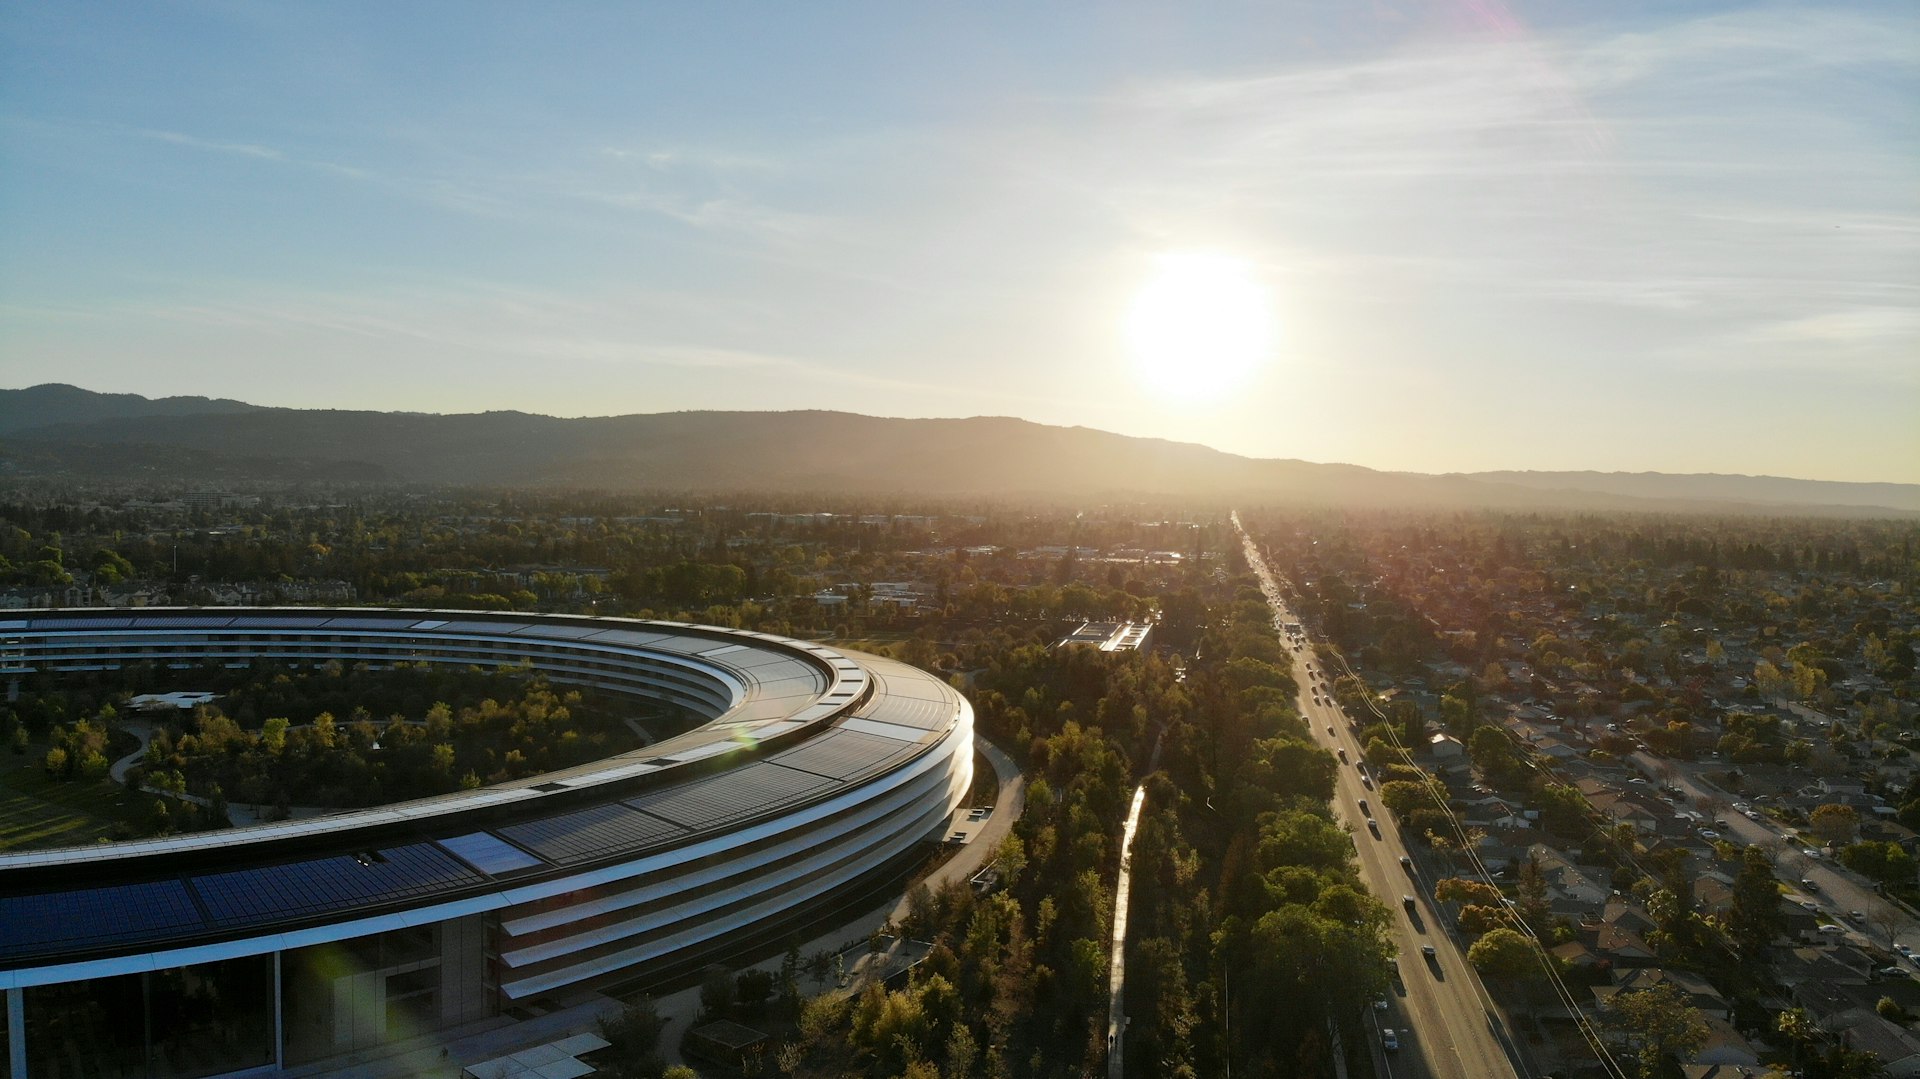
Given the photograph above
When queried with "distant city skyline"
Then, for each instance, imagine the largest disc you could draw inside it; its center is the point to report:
(1456, 237)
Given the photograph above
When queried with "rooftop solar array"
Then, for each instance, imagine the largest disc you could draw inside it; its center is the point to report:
(320, 885)
(489, 854)
(45, 923)
(591, 833)
(746, 791)
(82, 623)
(843, 754)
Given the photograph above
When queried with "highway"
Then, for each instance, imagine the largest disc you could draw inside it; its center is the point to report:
(1446, 1025)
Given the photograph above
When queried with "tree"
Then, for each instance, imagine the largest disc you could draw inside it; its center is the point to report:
(1833, 823)
(1533, 907)
(635, 1034)
(1463, 891)
(1887, 863)
(1504, 955)
(1564, 812)
(1754, 917)
(1657, 1023)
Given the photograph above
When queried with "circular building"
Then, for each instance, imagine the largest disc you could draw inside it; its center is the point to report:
(278, 945)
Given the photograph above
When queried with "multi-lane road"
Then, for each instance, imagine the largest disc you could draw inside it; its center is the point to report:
(1445, 1025)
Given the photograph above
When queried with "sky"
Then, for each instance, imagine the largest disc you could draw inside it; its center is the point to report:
(1679, 237)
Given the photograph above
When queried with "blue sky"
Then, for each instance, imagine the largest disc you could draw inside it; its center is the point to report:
(1676, 237)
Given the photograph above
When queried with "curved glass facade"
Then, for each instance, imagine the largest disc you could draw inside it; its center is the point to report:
(290, 943)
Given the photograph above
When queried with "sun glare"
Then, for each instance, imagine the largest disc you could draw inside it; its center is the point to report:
(1200, 326)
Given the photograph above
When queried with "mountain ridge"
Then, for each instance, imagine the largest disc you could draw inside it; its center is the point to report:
(54, 427)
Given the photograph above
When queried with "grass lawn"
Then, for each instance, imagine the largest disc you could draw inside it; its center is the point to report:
(38, 812)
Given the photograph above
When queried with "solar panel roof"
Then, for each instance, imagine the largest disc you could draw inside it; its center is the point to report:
(591, 833)
(319, 885)
(489, 853)
(730, 796)
(48, 922)
(82, 623)
(843, 754)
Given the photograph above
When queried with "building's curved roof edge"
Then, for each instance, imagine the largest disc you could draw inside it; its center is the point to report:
(847, 684)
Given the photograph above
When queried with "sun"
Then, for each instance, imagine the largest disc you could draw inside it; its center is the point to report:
(1200, 326)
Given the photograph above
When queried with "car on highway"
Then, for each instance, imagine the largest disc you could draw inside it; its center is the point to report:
(1406, 863)
(1380, 1004)
(1430, 953)
(1388, 1040)
(1343, 755)
(1364, 808)
(1366, 780)
(1407, 902)
(1810, 852)
(1374, 827)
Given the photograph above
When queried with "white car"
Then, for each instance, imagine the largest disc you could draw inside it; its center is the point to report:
(1709, 834)
(1389, 1041)
(1811, 853)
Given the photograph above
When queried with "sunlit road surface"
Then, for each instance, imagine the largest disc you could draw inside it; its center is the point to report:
(1437, 1006)
(1117, 976)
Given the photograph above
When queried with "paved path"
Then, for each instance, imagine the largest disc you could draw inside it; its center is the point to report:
(1117, 976)
(140, 729)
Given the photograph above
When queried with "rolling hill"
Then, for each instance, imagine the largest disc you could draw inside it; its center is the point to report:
(51, 430)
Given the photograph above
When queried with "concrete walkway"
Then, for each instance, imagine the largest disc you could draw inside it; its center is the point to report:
(1117, 975)
(140, 729)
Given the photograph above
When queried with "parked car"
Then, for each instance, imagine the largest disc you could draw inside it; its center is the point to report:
(1807, 885)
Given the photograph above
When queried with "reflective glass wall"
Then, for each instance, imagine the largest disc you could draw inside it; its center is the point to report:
(183, 1023)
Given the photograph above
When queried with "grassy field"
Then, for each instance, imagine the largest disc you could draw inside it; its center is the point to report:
(38, 812)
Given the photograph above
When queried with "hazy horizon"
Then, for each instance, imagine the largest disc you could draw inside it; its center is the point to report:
(1433, 238)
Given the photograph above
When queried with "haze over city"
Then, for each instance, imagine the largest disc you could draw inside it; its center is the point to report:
(1440, 237)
